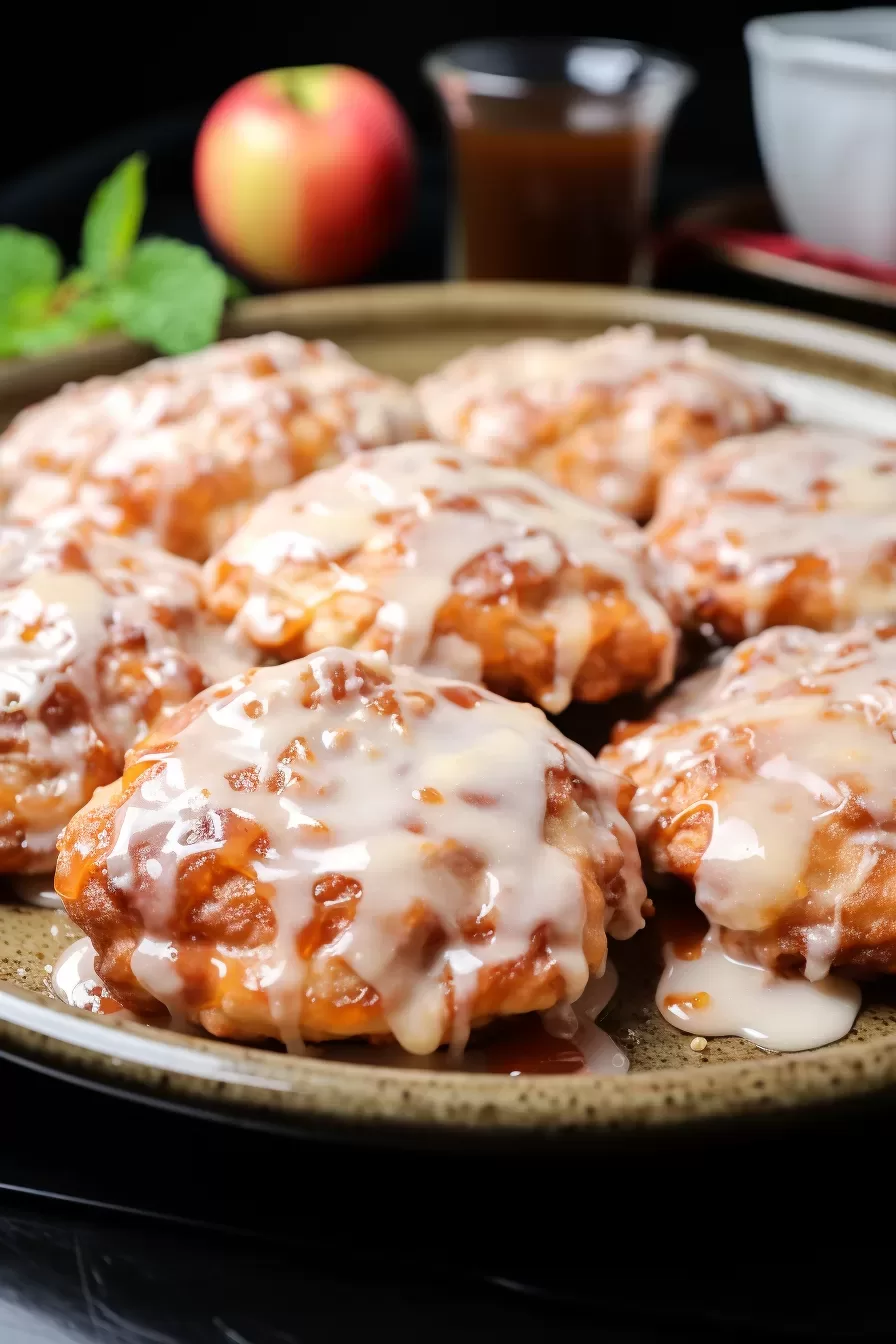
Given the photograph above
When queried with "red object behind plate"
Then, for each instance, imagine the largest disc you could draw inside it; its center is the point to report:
(795, 249)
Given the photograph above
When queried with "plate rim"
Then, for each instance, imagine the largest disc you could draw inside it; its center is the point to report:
(396, 304)
(244, 1080)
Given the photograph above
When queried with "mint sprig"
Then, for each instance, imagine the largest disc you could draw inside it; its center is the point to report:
(158, 290)
(27, 261)
(171, 296)
(112, 224)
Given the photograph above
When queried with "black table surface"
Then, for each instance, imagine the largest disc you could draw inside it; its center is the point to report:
(123, 1222)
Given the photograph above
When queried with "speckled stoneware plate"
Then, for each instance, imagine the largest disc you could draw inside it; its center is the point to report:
(825, 371)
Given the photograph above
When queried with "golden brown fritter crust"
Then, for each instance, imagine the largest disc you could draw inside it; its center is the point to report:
(444, 561)
(793, 527)
(179, 450)
(487, 895)
(772, 790)
(606, 418)
(99, 640)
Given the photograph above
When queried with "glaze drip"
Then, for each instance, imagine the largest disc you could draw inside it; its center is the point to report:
(713, 992)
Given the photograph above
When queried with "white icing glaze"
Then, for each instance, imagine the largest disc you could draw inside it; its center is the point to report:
(250, 410)
(491, 400)
(472, 777)
(597, 995)
(74, 980)
(751, 507)
(575, 1022)
(796, 733)
(600, 1052)
(71, 603)
(713, 993)
(400, 524)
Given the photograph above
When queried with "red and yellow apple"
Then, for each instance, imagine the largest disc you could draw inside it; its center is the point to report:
(303, 176)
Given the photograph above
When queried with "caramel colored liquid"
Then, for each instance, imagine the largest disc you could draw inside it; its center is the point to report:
(552, 204)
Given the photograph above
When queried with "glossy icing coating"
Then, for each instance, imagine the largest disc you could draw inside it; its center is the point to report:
(335, 848)
(177, 451)
(605, 417)
(99, 639)
(772, 789)
(451, 564)
(797, 526)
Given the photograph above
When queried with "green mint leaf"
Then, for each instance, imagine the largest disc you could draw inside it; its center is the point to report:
(30, 305)
(26, 260)
(80, 281)
(34, 323)
(26, 310)
(69, 328)
(9, 345)
(172, 296)
(113, 220)
(237, 288)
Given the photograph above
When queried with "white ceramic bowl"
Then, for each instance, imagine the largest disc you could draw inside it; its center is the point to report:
(824, 98)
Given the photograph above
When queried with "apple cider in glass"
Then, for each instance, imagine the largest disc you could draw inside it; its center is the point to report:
(555, 146)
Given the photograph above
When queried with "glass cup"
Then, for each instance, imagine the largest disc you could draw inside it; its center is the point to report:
(555, 146)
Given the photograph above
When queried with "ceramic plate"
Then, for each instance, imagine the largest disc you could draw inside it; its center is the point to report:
(826, 372)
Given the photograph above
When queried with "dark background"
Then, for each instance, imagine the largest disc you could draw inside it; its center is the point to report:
(78, 94)
(93, 76)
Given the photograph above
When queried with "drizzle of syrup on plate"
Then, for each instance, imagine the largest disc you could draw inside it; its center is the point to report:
(526, 1047)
